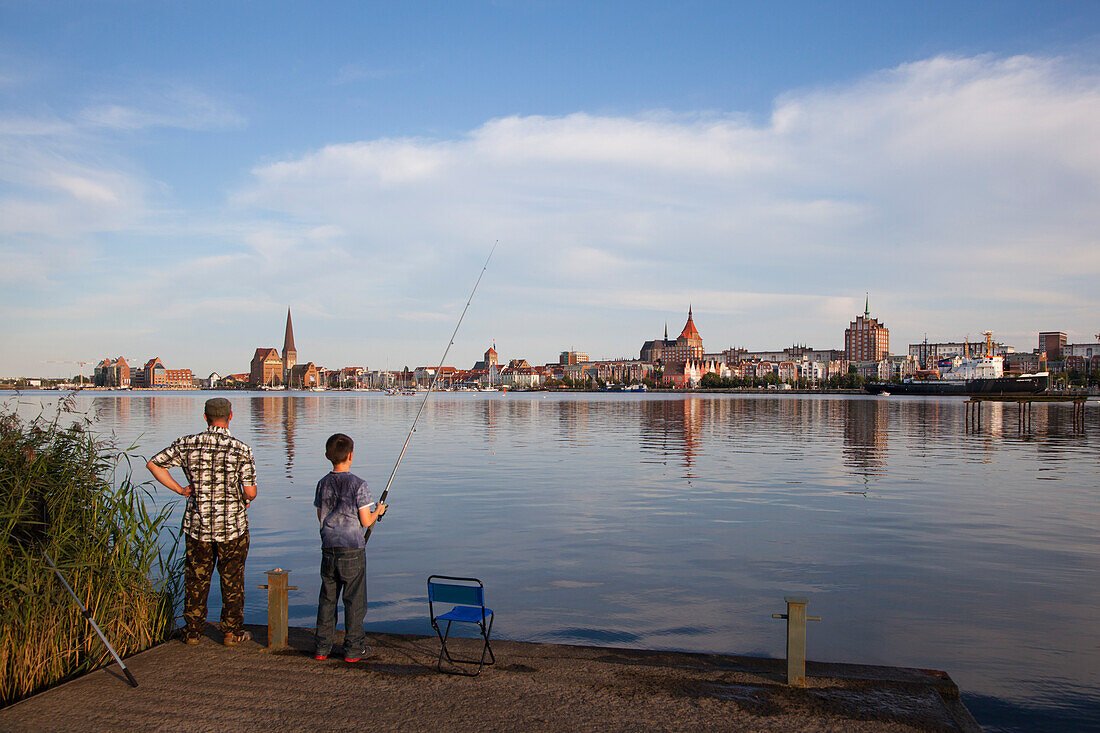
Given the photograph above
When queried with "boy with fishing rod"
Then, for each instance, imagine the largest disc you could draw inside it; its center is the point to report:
(344, 508)
(354, 493)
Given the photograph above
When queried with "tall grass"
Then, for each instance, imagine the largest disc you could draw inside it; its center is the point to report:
(68, 492)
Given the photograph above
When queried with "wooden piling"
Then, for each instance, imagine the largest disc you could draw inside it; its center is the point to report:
(277, 607)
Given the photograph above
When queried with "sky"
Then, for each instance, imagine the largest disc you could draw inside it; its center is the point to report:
(175, 175)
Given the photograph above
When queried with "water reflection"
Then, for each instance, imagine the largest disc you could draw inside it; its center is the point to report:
(671, 428)
(865, 435)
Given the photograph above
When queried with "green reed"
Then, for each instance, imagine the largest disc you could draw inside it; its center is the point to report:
(68, 492)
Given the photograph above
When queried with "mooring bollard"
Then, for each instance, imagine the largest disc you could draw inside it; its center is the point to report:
(277, 601)
(796, 639)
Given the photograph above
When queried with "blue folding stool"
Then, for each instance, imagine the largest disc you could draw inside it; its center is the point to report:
(468, 595)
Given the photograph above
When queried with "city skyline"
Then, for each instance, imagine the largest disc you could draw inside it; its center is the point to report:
(269, 366)
(172, 177)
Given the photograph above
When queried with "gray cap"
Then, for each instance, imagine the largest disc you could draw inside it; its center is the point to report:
(218, 407)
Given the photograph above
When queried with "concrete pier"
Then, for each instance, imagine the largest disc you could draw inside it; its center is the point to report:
(533, 687)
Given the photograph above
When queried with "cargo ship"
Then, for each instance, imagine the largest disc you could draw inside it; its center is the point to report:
(984, 375)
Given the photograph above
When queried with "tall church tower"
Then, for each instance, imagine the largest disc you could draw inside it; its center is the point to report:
(290, 354)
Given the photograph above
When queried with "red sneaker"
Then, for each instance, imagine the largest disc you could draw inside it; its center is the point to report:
(320, 657)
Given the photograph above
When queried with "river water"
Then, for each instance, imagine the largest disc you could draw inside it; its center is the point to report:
(680, 522)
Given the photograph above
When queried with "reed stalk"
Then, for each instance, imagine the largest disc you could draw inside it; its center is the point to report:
(66, 491)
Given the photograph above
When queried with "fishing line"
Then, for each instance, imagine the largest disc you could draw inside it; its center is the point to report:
(431, 385)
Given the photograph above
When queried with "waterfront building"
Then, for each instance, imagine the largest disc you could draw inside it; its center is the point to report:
(788, 371)
(866, 339)
(1086, 351)
(1082, 357)
(653, 351)
(795, 353)
(304, 376)
(346, 377)
(149, 375)
(212, 382)
(1053, 343)
(290, 353)
(624, 371)
(903, 365)
(520, 377)
(927, 354)
(572, 357)
(267, 368)
(1021, 363)
(154, 375)
(378, 379)
(878, 371)
(423, 376)
(489, 360)
(112, 373)
(687, 374)
(552, 371)
(688, 346)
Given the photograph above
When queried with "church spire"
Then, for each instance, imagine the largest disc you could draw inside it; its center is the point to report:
(867, 306)
(288, 339)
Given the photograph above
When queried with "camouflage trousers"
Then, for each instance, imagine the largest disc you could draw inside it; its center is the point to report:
(202, 557)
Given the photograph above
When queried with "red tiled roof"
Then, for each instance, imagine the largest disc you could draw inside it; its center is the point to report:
(689, 329)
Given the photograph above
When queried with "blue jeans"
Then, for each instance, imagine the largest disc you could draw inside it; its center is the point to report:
(342, 569)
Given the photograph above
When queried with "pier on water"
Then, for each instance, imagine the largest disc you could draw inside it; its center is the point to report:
(1025, 402)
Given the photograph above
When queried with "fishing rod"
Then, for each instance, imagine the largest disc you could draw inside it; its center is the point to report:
(32, 536)
(431, 385)
(88, 615)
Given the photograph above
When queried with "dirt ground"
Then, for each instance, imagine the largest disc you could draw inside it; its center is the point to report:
(532, 687)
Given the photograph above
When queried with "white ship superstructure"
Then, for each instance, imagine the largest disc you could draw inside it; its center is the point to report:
(958, 369)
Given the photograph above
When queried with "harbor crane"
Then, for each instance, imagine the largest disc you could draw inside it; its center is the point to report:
(82, 364)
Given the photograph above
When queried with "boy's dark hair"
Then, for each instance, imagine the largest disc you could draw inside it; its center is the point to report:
(338, 447)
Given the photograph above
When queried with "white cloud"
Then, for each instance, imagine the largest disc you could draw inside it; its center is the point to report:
(960, 191)
(946, 180)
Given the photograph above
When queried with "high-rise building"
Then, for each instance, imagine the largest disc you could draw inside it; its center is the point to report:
(290, 354)
(866, 339)
(573, 357)
(1053, 343)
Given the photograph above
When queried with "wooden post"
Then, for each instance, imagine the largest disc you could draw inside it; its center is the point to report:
(277, 602)
(796, 639)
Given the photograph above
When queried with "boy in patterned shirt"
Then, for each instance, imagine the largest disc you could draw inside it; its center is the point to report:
(221, 481)
(344, 509)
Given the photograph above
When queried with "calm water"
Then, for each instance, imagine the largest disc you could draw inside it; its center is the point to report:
(673, 522)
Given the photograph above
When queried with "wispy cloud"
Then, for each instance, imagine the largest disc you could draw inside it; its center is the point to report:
(180, 107)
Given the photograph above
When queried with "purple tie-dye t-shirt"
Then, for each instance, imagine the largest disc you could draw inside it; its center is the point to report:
(339, 497)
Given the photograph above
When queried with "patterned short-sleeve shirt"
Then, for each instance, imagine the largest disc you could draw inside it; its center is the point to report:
(217, 465)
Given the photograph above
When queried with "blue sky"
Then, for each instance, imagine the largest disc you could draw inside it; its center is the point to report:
(174, 175)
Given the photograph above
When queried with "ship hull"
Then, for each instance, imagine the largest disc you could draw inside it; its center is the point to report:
(1022, 385)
